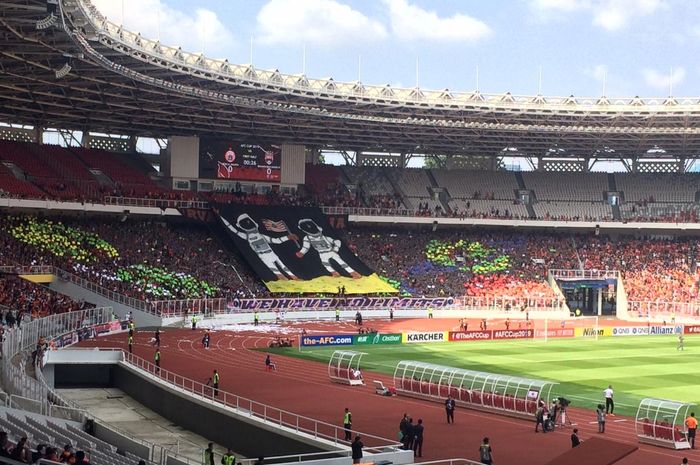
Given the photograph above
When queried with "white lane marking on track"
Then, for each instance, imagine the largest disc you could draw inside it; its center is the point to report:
(619, 421)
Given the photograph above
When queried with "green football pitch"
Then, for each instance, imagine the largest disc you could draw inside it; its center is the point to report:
(637, 367)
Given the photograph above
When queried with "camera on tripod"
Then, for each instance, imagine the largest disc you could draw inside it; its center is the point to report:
(564, 402)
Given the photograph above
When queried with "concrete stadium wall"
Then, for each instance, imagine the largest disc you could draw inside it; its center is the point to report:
(202, 417)
(207, 419)
(78, 293)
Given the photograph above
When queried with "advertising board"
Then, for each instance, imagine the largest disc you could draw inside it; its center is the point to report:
(327, 340)
(435, 336)
(457, 336)
(378, 338)
(513, 334)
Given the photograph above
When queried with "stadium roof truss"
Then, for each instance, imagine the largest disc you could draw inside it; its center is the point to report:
(76, 70)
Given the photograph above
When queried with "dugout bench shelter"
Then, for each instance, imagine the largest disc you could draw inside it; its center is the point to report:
(503, 394)
(661, 422)
(344, 367)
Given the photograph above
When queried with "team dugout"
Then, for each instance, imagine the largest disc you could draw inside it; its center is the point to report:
(509, 395)
(661, 422)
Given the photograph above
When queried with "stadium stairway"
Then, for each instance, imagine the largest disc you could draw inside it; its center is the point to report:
(519, 179)
(612, 187)
(595, 451)
(395, 186)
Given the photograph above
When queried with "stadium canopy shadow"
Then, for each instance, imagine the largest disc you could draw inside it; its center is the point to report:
(595, 451)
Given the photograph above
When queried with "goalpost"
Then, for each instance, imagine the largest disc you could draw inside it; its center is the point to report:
(590, 325)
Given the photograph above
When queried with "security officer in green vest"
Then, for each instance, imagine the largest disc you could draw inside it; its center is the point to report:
(194, 321)
(347, 424)
(228, 458)
(256, 318)
(208, 455)
(215, 380)
(131, 343)
(337, 314)
(157, 360)
(430, 312)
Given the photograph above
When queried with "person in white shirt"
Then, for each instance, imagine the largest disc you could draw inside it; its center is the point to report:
(609, 403)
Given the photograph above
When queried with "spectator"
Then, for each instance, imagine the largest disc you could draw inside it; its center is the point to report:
(356, 447)
(80, 458)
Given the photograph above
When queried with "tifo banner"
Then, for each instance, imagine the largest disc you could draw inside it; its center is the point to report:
(646, 330)
(555, 332)
(456, 336)
(513, 334)
(327, 340)
(378, 338)
(592, 332)
(435, 336)
(691, 329)
(355, 303)
(295, 250)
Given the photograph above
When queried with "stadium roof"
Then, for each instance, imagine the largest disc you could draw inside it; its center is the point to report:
(76, 70)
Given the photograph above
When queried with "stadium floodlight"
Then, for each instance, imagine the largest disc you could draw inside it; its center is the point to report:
(47, 22)
(64, 70)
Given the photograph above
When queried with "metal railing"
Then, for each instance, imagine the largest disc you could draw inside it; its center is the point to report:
(509, 303)
(643, 309)
(584, 274)
(266, 413)
(19, 342)
(160, 203)
(171, 308)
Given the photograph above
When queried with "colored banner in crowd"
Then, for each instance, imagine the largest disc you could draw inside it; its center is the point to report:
(427, 337)
(327, 340)
(691, 329)
(88, 332)
(377, 338)
(656, 330)
(331, 303)
(592, 332)
(295, 250)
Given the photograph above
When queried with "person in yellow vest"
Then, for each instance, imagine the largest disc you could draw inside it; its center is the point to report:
(430, 312)
(208, 455)
(337, 314)
(131, 344)
(157, 360)
(228, 458)
(215, 380)
(347, 424)
(194, 322)
(256, 318)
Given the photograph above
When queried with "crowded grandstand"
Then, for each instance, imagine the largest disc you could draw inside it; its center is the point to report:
(241, 225)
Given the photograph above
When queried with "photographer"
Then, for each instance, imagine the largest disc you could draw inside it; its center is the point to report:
(563, 404)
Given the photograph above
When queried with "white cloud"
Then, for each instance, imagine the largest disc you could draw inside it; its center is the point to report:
(410, 22)
(197, 31)
(611, 15)
(319, 22)
(661, 81)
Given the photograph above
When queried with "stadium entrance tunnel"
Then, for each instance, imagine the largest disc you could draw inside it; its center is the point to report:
(503, 394)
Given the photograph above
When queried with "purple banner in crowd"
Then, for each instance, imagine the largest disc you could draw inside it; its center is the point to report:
(359, 303)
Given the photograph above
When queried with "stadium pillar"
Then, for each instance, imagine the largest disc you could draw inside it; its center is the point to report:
(600, 301)
(38, 134)
(85, 140)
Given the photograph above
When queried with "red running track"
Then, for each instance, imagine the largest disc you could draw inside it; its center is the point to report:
(303, 387)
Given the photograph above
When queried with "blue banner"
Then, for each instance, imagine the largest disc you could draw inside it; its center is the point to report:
(327, 340)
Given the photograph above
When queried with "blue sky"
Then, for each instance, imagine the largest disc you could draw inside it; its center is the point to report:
(631, 44)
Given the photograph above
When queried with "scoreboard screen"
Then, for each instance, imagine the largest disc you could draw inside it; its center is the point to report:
(223, 159)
